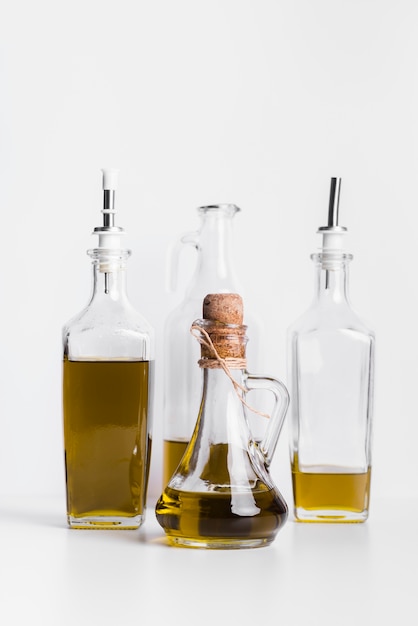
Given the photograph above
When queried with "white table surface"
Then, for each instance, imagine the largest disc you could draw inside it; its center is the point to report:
(312, 573)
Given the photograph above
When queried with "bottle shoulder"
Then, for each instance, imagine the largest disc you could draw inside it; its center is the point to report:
(95, 324)
(119, 311)
(108, 330)
(328, 319)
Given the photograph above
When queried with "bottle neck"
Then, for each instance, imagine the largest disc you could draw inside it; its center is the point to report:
(331, 280)
(109, 275)
(214, 270)
(222, 416)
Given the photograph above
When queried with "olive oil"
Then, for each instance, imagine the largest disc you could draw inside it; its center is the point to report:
(242, 511)
(222, 519)
(172, 454)
(330, 495)
(107, 442)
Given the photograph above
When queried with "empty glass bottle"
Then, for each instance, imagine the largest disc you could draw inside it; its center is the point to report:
(330, 378)
(222, 495)
(107, 392)
(214, 273)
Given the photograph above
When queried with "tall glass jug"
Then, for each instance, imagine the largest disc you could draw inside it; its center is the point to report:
(331, 365)
(221, 494)
(107, 392)
(214, 273)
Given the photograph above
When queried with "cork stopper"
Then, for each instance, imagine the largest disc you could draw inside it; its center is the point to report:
(223, 314)
(227, 308)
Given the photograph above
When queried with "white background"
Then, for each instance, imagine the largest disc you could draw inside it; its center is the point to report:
(257, 103)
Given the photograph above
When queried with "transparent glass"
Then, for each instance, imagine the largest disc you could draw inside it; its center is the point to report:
(214, 273)
(107, 403)
(222, 495)
(331, 365)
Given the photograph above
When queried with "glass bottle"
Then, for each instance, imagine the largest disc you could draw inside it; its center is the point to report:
(330, 374)
(107, 392)
(214, 273)
(222, 495)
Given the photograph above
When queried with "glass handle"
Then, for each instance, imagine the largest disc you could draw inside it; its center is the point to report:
(281, 403)
(173, 256)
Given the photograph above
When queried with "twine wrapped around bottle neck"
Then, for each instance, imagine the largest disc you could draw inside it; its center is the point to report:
(213, 360)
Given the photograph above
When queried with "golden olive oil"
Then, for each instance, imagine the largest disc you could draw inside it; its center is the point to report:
(172, 454)
(234, 512)
(107, 442)
(220, 519)
(335, 496)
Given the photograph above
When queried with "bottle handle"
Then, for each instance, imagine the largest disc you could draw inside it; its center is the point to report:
(281, 403)
(173, 256)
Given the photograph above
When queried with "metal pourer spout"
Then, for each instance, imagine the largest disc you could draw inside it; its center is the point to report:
(334, 201)
(108, 208)
(332, 234)
(109, 234)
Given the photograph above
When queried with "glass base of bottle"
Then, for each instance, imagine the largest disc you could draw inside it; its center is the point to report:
(218, 544)
(333, 516)
(105, 522)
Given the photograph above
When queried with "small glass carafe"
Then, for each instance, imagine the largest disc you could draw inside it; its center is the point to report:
(107, 392)
(330, 378)
(222, 495)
